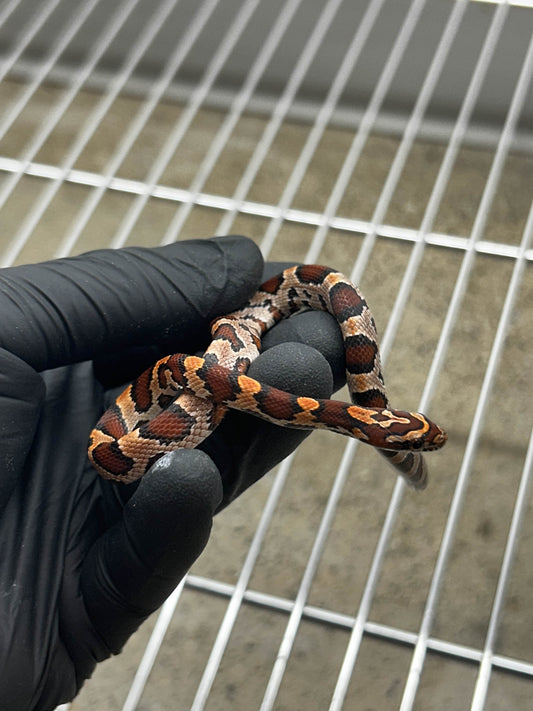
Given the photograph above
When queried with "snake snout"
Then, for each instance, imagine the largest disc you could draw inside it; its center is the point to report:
(437, 437)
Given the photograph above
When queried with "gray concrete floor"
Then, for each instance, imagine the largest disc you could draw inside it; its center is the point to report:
(465, 601)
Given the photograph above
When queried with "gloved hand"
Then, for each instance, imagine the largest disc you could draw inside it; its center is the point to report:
(84, 561)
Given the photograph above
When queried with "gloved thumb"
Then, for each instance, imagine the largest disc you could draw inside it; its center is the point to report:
(136, 564)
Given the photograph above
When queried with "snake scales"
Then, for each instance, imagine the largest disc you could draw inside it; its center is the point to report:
(181, 399)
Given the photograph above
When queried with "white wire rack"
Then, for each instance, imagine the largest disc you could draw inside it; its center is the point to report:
(390, 139)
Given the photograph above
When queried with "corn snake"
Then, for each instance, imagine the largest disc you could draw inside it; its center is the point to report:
(181, 399)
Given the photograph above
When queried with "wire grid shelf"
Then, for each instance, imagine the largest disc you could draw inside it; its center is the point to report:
(341, 133)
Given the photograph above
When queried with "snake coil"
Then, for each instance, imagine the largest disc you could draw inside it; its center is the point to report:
(181, 399)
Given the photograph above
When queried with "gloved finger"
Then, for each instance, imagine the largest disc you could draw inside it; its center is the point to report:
(133, 568)
(21, 395)
(118, 368)
(78, 308)
(245, 447)
(317, 329)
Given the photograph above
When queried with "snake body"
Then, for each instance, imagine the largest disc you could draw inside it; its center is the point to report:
(181, 399)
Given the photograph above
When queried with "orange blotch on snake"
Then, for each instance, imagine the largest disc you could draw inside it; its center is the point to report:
(193, 362)
(248, 385)
(245, 399)
(307, 403)
(306, 417)
(362, 414)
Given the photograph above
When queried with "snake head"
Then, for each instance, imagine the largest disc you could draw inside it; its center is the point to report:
(437, 437)
(413, 431)
(432, 436)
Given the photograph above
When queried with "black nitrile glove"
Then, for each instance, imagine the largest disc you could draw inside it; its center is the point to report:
(84, 561)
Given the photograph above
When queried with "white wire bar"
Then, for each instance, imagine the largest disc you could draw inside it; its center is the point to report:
(249, 207)
(322, 119)
(517, 3)
(6, 11)
(407, 281)
(400, 159)
(375, 629)
(239, 591)
(212, 70)
(291, 630)
(471, 447)
(154, 95)
(361, 137)
(93, 119)
(280, 111)
(235, 111)
(402, 153)
(65, 37)
(483, 679)
(487, 660)
(152, 648)
(480, 134)
(26, 36)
